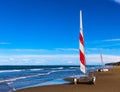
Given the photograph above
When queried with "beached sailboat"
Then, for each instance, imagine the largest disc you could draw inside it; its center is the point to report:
(103, 69)
(85, 78)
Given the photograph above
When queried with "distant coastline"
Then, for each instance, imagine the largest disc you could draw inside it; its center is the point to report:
(114, 64)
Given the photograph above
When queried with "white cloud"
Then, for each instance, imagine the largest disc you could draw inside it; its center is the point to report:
(4, 43)
(39, 51)
(111, 40)
(117, 1)
(95, 58)
(67, 49)
(106, 43)
(107, 50)
(59, 59)
(59, 56)
(39, 59)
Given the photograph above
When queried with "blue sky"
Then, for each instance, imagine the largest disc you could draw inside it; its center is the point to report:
(47, 31)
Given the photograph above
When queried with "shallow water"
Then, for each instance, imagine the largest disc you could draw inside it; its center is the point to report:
(18, 77)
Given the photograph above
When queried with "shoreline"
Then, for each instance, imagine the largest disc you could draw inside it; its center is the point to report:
(49, 83)
(105, 82)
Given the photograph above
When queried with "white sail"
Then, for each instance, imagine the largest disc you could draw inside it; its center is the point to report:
(102, 60)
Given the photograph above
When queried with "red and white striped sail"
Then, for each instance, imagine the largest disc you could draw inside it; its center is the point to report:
(81, 47)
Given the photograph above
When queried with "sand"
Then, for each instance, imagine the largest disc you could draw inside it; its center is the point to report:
(105, 82)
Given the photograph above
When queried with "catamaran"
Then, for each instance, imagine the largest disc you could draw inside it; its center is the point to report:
(103, 69)
(85, 78)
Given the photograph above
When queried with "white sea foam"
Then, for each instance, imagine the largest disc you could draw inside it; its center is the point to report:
(58, 68)
(36, 69)
(12, 80)
(2, 71)
(73, 67)
(59, 71)
(23, 77)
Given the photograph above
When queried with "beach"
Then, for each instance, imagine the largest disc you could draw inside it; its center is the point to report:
(105, 82)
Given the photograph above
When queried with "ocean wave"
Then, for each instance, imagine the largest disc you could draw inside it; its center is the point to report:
(36, 69)
(23, 77)
(2, 71)
(73, 67)
(58, 68)
(16, 79)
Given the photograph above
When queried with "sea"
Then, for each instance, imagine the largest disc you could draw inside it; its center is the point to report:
(19, 77)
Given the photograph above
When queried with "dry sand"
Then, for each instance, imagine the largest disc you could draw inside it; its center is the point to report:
(105, 82)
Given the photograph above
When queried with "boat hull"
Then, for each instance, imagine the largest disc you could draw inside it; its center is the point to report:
(85, 80)
(82, 80)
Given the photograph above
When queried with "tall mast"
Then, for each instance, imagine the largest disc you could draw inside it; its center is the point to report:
(81, 47)
(102, 61)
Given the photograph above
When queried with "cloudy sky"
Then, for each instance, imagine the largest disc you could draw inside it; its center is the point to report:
(46, 32)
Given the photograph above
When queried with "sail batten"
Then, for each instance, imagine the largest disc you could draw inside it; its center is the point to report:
(81, 47)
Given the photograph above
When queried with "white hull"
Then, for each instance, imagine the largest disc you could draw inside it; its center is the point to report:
(103, 70)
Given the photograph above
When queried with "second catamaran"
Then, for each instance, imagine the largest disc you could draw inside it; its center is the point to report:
(103, 69)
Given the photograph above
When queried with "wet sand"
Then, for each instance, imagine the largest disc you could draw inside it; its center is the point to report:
(105, 82)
